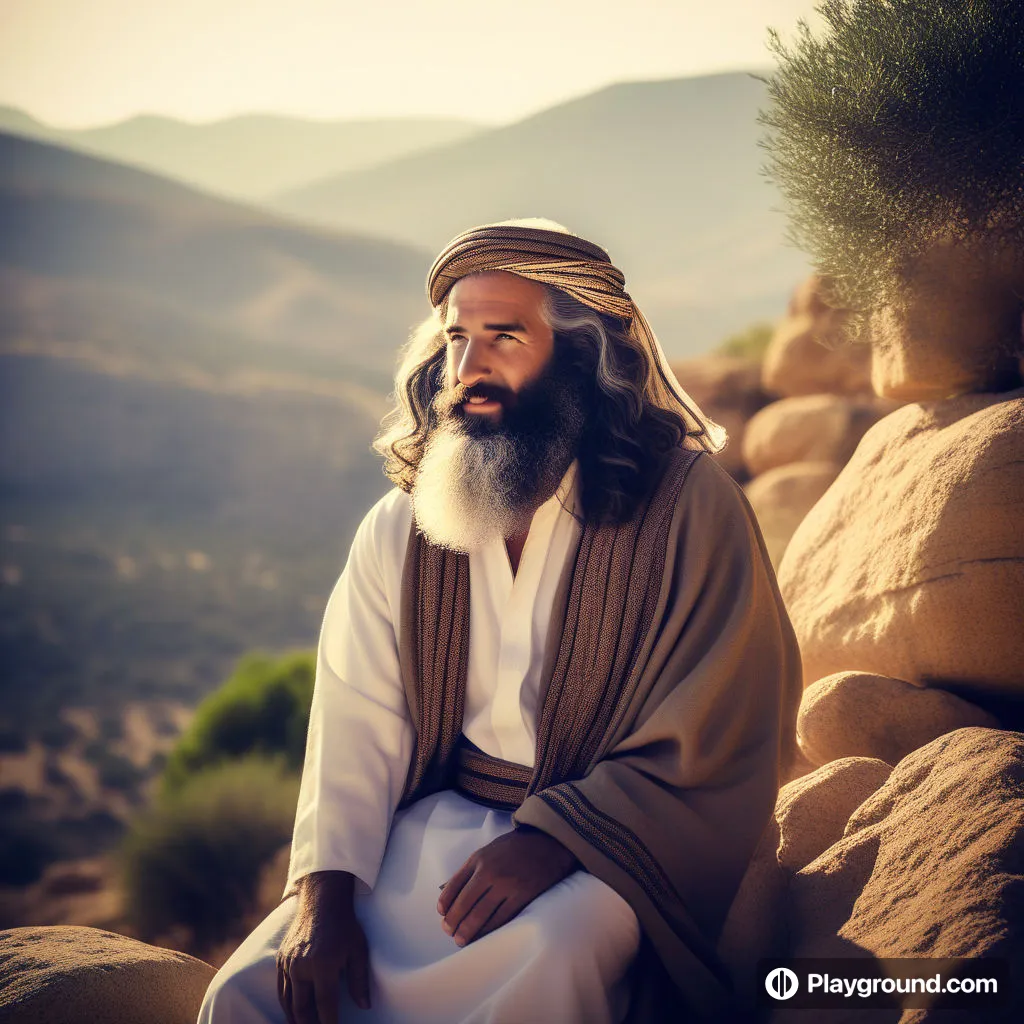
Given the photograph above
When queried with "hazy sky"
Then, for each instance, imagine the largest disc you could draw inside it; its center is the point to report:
(84, 62)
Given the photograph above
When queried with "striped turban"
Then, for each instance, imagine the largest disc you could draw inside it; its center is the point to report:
(553, 255)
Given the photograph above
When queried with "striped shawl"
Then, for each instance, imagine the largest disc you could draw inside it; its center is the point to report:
(673, 679)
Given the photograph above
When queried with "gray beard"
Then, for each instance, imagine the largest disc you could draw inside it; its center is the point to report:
(473, 487)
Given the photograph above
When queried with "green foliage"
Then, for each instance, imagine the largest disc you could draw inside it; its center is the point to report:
(262, 709)
(750, 343)
(901, 126)
(195, 857)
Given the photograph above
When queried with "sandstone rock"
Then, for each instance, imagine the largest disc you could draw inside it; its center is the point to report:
(66, 975)
(810, 428)
(813, 811)
(783, 496)
(912, 565)
(728, 389)
(957, 329)
(808, 353)
(854, 714)
(930, 865)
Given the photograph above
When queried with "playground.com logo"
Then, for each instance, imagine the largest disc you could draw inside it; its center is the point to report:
(782, 983)
(815, 983)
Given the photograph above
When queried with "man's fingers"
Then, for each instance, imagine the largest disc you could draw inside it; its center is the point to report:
(473, 893)
(284, 993)
(303, 1001)
(325, 995)
(453, 888)
(503, 913)
(474, 922)
(359, 979)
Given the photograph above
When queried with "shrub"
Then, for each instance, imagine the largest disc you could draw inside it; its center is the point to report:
(262, 709)
(195, 857)
(899, 126)
(749, 343)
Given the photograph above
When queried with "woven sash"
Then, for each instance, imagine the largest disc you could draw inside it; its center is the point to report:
(597, 642)
(489, 780)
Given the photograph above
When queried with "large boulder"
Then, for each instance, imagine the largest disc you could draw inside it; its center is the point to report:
(855, 714)
(782, 497)
(809, 353)
(957, 328)
(812, 812)
(810, 815)
(930, 865)
(67, 975)
(810, 428)
(912, 564)
(728, 389)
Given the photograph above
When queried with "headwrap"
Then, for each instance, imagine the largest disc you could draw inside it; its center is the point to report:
(555, 256)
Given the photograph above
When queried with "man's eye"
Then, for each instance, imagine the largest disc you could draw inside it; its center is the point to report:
(512, 336)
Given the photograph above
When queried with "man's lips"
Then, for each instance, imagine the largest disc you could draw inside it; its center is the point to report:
(488, 405)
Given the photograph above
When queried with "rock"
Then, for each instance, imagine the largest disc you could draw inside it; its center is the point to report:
(855, 714)
(930, 865)
(67, 975)
(813, 811)
(783, 496)
(957, 329)
(912, 564)
(810, 428)
(808, 353)
(728, 389)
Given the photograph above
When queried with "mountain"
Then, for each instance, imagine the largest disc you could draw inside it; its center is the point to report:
(250, 157)
(664, 174)
(188, 391)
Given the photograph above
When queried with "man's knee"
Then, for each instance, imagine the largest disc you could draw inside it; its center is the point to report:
(586, 923)
(243, 990)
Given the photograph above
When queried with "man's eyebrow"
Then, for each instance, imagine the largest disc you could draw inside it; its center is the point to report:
(514, 326)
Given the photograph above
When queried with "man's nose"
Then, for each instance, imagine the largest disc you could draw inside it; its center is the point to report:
(473, 366)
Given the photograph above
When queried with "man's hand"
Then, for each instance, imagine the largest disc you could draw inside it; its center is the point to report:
(324, 941)
(500, 880)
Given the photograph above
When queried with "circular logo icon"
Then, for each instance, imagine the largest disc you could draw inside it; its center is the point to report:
(782, 983)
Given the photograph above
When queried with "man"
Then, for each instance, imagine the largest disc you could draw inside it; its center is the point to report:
(554, 682)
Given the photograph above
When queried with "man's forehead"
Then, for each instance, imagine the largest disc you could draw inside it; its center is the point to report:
(495, 294)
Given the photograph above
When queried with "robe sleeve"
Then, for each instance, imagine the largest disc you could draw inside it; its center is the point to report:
(672, 812)
(360, 737)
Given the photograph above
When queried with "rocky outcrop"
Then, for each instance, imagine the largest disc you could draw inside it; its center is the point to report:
(68, 975)
(809, 354)
(912, 564)
(728, 389)
(957, 329)
(929, 865)
(810, 428)
(855, 714)
(782, 497)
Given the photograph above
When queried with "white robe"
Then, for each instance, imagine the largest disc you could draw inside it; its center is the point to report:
(565, 957)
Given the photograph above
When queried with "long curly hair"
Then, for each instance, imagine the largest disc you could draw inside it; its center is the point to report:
(626, 438)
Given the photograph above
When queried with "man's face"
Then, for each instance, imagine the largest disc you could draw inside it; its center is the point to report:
(498, 342)
(487, 466)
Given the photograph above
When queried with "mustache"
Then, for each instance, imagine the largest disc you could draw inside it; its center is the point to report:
(447, 400)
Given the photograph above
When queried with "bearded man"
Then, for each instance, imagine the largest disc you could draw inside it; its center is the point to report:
(555, 681)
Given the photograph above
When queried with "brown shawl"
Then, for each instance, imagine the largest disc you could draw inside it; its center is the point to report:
(673, 683)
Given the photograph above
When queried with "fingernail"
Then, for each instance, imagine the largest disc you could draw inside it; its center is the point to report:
(460, 941)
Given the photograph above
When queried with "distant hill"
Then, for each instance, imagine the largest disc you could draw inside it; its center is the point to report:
(250, 157)
(663, 174)
(188, 391)
(104, 259)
